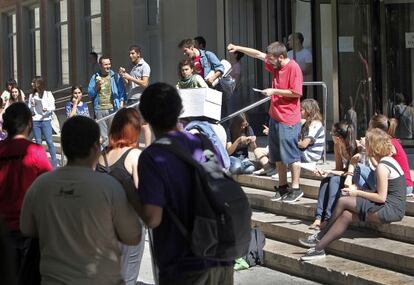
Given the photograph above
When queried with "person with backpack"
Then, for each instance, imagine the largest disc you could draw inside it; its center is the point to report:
(169, 194)
(120, 160)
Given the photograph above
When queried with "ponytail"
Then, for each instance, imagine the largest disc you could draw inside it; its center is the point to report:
(392, 126)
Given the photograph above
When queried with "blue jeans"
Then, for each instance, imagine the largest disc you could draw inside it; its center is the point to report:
(364, 177)
(329, 192)
(45, 128)
(131, 260)
(283, 142)
(241, 165)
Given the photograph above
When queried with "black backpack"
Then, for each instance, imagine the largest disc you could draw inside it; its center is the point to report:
(255, 254)
(222, 215)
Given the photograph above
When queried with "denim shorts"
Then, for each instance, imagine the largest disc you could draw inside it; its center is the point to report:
(283, 142)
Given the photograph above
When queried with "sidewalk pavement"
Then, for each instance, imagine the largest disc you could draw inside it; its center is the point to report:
(255, 275)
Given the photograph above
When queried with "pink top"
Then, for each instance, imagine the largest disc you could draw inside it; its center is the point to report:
(401, 158)
(283, 109)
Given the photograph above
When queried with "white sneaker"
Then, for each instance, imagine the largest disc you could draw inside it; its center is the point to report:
(276, 176)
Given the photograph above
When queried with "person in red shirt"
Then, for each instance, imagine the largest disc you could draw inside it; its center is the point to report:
(21, 162)
(284, 111)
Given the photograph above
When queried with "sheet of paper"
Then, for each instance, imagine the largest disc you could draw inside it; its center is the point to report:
(38, 105)
(311, 166)
(257, 90)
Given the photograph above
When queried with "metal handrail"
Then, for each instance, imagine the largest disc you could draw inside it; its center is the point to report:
(62, 89)
(113, 114)
(260, 102)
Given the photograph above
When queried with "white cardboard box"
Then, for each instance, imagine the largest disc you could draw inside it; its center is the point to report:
(201, 102)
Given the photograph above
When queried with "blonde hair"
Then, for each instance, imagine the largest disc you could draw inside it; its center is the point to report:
(378, 143)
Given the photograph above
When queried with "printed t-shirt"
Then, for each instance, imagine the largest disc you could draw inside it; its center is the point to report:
(21, 162)
(166, 181)
(283, 109)
(79, 216)
(81, 110)
(105, 94)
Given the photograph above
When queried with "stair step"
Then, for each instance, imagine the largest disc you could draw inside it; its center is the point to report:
(330, 270)
(305, 209)
(56, 138)
(356, 245)
(58, 147)
(310, 187)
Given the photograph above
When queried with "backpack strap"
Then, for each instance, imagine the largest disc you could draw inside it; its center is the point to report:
(172, 146)
(106, 161)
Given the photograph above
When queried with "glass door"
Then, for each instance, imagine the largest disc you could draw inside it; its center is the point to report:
(357, 47)
(398, 64)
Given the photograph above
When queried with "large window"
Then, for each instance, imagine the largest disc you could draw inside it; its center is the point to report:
(35, 41)
(12, 44)
(153, 7)
(62, 40)
(357, 42)
(93, 13)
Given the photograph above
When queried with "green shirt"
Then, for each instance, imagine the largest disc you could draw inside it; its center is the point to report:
(105, 94)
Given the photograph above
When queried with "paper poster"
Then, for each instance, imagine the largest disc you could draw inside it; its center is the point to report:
(409, 40)
(346, 44)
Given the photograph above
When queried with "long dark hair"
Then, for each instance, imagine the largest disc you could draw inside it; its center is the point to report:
(40, 85)
(236, 130)
(384, 123)
(74, 87)
(346, 131)
(311, 108)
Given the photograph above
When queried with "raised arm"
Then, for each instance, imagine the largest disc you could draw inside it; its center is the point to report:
(247, 51)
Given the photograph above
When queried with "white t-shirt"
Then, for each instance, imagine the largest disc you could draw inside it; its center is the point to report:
(302, 57)
(79, 216)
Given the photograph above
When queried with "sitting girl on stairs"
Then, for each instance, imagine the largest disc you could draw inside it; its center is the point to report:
(386, 205)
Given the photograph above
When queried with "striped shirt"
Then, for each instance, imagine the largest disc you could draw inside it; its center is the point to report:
(315, 149)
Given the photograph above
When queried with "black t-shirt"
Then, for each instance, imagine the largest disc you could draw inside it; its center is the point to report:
(242, 149)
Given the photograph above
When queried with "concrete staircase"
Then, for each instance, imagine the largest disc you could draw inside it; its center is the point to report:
(367, 254)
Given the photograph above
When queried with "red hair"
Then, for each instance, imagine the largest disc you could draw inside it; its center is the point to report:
(125, 128)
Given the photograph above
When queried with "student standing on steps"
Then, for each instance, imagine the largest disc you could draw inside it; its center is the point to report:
(284, 111)
(137, 78)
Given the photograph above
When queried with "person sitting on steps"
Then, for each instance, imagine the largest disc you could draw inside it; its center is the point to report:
(385, 205)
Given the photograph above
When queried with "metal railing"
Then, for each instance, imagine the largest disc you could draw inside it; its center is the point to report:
(260, 102)
(113, 114)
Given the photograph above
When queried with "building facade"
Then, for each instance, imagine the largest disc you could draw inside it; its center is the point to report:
(362, 50)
